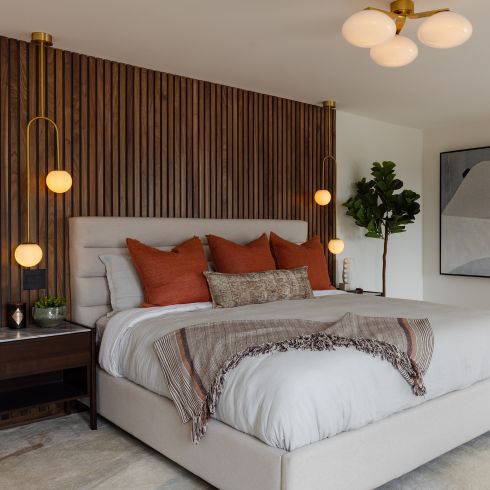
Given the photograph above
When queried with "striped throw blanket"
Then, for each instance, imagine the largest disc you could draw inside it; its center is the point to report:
(196, 359)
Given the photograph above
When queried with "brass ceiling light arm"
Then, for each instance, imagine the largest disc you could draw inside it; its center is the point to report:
(400, 23)
(401, 10)
(429, 13)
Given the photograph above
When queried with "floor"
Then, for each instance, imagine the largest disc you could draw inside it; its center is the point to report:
(64, 454)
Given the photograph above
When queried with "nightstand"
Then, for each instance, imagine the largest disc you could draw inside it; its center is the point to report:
(43, 369)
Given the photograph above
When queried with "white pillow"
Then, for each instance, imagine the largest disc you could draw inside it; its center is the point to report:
(124, 284)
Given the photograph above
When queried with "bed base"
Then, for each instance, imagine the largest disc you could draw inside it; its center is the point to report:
(354, 460)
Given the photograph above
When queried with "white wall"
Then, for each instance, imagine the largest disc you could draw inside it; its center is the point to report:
(465, 291)
(360, 142)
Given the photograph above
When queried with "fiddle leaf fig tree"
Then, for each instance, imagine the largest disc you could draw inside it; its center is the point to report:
(378, 207)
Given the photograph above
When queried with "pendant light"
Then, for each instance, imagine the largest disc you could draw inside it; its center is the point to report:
(59, 180)
(29, 254)
(323, 196)
(380, 30)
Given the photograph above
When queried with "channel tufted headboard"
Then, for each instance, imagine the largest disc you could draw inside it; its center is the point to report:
(93, 236)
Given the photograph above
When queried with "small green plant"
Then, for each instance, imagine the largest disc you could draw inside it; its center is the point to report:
(50, 302)
(378, 208)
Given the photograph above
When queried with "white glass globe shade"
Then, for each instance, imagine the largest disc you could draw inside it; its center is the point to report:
(336, 246)
(322, 197)
(59, 181)
(368, 28)
(28, 254)
(400, 51)
(445, 30)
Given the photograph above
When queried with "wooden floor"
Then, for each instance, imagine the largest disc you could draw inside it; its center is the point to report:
(64, 454)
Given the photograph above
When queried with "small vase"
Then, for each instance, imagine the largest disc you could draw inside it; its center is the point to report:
(49, 317)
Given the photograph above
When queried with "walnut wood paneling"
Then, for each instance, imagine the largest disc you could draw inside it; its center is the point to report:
(143, 143)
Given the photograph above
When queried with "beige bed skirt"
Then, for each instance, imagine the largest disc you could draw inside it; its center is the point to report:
(355, 460)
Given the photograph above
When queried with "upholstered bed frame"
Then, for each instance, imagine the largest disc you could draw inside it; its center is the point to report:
(229, 459)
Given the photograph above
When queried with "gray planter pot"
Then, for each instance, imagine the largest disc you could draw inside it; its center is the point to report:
(49, 317)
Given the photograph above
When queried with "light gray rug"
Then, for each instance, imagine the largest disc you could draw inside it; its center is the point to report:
(65, 454)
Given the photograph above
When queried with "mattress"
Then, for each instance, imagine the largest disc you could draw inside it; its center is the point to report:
(295, 398)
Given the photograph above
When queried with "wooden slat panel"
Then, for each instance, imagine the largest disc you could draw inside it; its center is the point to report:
(143, 143)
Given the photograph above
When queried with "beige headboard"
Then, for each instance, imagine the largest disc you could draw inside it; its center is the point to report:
(94, 236)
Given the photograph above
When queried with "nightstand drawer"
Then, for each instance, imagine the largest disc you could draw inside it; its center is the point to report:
(44, 354)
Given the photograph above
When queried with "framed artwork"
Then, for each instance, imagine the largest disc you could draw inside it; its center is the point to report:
(465, 212)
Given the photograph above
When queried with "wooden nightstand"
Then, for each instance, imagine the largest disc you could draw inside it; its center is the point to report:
(42, 369)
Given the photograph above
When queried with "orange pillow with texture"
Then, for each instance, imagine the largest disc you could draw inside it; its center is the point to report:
(232, 258)
(290, 255)
(171, 278)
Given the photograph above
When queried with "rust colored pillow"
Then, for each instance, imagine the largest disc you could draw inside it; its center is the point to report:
(289, 255)
(171, 278)
(232, 258)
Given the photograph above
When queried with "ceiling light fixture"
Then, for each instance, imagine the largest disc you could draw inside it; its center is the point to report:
(380, 30)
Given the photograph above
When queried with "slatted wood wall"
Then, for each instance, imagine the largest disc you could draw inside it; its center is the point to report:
(143, 143)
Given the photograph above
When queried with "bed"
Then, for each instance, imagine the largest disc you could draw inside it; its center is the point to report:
(361, 458)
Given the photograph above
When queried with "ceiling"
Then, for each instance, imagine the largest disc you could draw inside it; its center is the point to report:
(288, 48)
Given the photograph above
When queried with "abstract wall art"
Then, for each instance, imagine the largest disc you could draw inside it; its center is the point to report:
(465, 212)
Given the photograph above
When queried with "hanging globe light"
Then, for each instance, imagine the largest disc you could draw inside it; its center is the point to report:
(336, 246)
(368, 28)
(28, 254)
(322, 197)
(59, 181)
(398, 52)
(445, 30)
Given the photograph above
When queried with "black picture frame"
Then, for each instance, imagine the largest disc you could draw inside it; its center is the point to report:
(441, 155)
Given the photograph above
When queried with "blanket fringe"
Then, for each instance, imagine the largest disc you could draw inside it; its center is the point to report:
(316, 342)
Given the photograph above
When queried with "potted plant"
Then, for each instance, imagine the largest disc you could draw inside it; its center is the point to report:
(377, 207)
(49, 311)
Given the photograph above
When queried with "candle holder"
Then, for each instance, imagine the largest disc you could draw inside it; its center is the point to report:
(16, 315)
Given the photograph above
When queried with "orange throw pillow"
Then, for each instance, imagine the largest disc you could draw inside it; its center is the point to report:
(171, 278)
(289, 255)
(232, 258)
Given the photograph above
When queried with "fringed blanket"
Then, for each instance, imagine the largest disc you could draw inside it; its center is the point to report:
(196, 359)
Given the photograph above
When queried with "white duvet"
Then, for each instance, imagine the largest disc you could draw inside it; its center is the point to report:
(296, 398)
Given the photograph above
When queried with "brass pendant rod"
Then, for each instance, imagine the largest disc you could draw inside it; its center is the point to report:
(329, 105)
(41, 78)
(42, 40)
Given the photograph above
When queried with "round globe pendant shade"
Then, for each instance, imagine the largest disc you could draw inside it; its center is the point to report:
(368, 28)
(445, 30)
(322, 197)
(400, 51)
(336, 246)
(28, 254)
(59, 181)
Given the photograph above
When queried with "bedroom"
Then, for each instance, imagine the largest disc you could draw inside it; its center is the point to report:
(183, 119)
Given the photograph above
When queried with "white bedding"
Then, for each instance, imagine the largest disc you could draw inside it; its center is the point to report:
(296, 398)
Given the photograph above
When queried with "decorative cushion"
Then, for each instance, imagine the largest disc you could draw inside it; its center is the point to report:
(230, 290)
(170, 278)
(233, 258)
(289, 255)
(124, 284)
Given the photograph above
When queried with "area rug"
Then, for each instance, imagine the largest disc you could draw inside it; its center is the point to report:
(64, 454)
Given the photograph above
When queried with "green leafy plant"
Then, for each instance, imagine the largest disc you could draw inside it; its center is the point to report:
(377, 206)
(50, 302)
